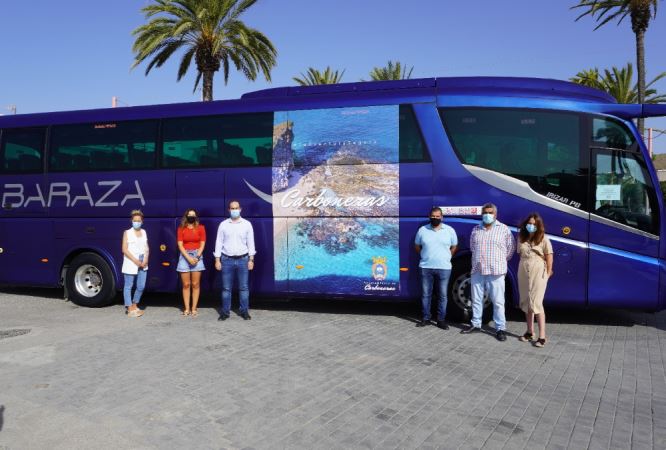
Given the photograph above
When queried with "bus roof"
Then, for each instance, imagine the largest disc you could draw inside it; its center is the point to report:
(487, 86)
(402, 90)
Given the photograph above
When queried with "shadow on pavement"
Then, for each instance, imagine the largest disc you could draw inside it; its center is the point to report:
(409, 311)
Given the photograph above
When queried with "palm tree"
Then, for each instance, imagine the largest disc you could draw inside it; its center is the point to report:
(211, 32)
(640, 12)
(392, 71)
(619, 83)
(314, 76)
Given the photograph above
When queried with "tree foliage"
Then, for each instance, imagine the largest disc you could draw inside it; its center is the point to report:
(641, 12)
(392, 71)
(619, 83)
(210, 32)
(314, 76)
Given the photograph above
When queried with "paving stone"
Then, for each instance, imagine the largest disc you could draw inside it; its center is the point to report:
(311, 375)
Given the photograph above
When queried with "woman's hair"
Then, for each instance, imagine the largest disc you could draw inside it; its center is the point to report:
(183, 221)
(136, 212)
(537, 236)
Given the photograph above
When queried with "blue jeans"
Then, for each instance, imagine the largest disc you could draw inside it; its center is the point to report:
(238, 266)
(427, 276)
(495, 286)
(140, 278)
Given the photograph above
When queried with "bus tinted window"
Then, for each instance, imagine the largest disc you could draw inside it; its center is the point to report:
(103, 146)
(540, 148)
(22, 150)
(611, 133)
(233, 140)
(412, 148)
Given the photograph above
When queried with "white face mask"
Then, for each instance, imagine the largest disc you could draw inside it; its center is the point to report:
(137, 225)
(234, 213)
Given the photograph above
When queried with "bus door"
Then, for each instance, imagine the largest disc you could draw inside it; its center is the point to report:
(416, 184)
(209, 192)
(26, 246)
(624, 222)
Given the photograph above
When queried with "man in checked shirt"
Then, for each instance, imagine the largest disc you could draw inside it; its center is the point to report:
(492, 246)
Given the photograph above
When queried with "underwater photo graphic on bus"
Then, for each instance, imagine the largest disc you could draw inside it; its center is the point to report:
(335, 200)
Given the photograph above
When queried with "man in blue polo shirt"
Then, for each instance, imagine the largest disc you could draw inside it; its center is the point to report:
(436, 243)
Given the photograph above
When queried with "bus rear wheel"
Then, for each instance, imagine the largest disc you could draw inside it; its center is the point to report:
(459, 307)
(89, 281)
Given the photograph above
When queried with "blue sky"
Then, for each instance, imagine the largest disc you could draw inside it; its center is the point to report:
(77, 54)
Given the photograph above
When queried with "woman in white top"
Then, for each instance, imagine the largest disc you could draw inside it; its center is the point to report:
(135, 263)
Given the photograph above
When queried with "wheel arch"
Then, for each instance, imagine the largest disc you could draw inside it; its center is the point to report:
(512, 285)
(73, 253)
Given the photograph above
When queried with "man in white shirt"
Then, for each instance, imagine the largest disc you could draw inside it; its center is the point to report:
(234, 254)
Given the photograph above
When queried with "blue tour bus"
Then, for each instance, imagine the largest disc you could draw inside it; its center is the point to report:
(336, 180)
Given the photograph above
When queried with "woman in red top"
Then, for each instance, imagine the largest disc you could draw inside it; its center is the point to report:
(191, 243)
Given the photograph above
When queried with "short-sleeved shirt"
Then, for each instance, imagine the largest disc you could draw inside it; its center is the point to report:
(491, 248)
(192, 237)
(436, 246)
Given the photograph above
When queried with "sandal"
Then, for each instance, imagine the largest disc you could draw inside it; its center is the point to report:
(527, 337)
(194, 313)
(185, 313)
(540, 342)
(135, 313)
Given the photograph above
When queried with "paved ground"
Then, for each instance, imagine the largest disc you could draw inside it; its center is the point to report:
(300, 375)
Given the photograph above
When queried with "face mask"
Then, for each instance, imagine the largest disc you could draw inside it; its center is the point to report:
(234, 213)
(435, 222)
(530, 227)
(136, 225)
(488, 218)
(191, 219)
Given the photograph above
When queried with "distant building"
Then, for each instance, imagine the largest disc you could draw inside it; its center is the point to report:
(661, 174)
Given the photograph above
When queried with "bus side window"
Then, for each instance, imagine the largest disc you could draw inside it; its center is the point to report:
(103, 146)
(412, 147)
(541, 148)
(218, 141)
(22, 150)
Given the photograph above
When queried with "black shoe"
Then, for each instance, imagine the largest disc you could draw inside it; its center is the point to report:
(246, 316)
(443, 325)
(223, 317)
(500, 335)
(423, 323)
(470, 329)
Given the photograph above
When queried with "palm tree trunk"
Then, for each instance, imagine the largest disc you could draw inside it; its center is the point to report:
(640, 65)
(207, 95)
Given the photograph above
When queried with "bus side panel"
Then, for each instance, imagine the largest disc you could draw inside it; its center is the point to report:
(111, 194)
(410, 280)
(261, 280)
(27, 256)
(455, 185)
(162, 275)
(620, 279)
(624, 268)
(415, 204)
(662, 285)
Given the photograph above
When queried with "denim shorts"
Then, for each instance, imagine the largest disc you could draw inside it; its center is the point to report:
(184, 266)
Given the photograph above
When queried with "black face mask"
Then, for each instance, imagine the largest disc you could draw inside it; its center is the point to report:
(191, 219)
(435, 222)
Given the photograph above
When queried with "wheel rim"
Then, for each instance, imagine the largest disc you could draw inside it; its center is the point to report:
(88, 280)
(462, 293)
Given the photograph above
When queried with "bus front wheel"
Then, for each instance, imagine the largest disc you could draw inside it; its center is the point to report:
(89, 281)
(460, 295)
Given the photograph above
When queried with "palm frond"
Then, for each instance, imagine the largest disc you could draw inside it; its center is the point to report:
(210, 32)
